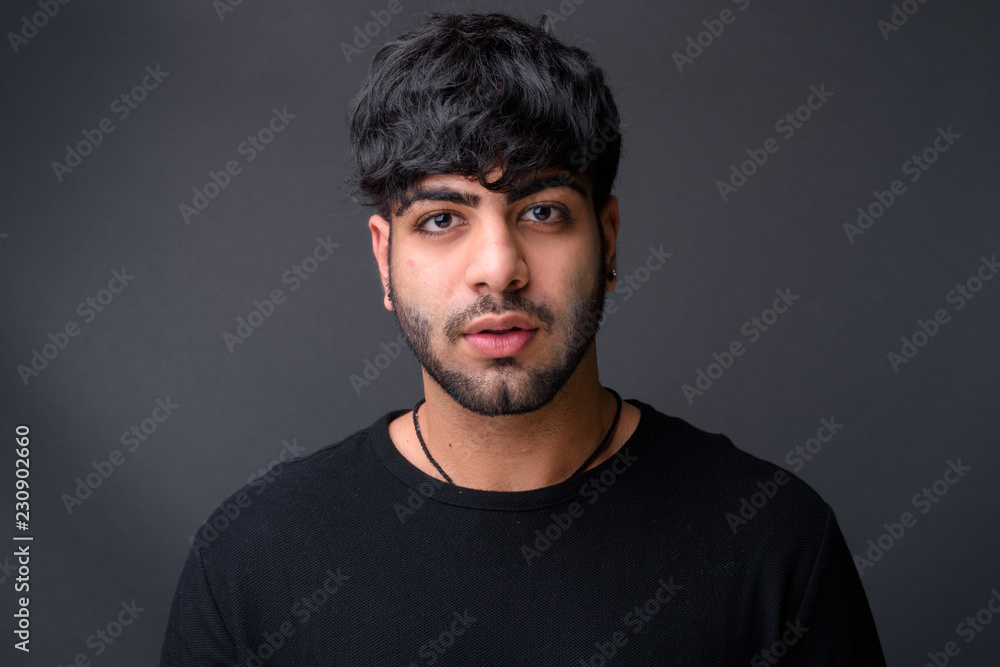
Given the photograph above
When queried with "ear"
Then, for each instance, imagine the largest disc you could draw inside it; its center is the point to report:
(380, 229)
(608, 216)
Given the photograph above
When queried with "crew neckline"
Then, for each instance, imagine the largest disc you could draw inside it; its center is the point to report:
(431, 488)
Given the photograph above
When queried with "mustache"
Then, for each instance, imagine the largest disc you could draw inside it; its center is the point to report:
(487, 305)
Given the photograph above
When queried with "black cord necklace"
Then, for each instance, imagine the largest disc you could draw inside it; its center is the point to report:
(600, 446)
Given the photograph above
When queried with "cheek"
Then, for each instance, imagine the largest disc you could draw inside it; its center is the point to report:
(560, 283)
(584, 276)
(412, 278)
(425, 292)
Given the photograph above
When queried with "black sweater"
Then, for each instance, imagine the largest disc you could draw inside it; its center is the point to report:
(678, 550)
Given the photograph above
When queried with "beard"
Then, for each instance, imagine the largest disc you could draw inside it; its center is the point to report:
(506, 386)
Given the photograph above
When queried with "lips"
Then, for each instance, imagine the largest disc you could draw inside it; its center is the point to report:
(499, 325)
(497, 345)
(498, 337)
(499, 331)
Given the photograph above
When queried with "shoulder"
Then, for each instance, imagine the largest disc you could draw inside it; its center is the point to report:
(284, 502)
(726, 487)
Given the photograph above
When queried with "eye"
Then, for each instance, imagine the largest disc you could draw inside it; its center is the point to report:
(439, 222)
(546, 213)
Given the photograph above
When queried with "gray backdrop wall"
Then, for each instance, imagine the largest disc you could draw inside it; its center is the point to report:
(843, 154)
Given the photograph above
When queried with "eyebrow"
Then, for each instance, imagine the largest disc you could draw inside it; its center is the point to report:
(420, 193)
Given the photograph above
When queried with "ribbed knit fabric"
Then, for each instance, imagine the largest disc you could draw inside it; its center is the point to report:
(353, 556)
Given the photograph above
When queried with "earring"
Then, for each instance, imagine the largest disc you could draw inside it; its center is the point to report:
(611, 275)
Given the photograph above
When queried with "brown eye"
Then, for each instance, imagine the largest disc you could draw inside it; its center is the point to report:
(544, 213)
(440, 222)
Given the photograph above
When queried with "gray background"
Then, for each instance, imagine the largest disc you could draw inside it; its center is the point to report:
(162, 336)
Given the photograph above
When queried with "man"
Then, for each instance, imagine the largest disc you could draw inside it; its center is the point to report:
(521, 513)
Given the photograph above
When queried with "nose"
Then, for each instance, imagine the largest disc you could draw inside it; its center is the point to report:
(496, 257)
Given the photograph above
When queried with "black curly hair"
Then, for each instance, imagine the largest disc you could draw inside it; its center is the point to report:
(470, 93)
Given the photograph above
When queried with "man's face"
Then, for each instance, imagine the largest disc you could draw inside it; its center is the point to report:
(463, 262)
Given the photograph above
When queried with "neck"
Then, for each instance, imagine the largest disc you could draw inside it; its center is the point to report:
(521, 452)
